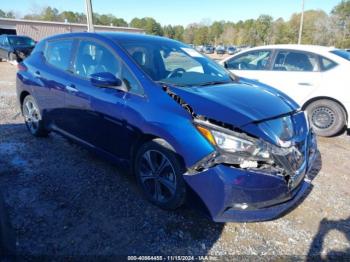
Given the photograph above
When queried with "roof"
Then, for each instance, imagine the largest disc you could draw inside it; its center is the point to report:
(311, 48)
(115, 36)
(324, 50)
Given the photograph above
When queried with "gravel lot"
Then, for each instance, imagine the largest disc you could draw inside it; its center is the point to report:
(66, 201)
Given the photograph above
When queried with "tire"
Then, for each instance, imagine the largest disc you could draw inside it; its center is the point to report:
(161, 182)
(32, 117)
(13, 57)
(326, 117)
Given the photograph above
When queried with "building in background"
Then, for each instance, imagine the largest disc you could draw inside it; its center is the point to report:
(40, 29)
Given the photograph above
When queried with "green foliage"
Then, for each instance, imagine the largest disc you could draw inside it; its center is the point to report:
(319, 27)
(6, 14)
(150, 25)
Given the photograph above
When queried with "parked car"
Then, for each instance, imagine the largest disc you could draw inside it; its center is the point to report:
(199, 48)
(15, 48)
(220, 50)
(208, 49)
(183, 124)
(316, 77)
(231, 50)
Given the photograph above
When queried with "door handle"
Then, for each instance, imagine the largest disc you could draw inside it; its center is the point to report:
(304, 84)
(71, 88)
(37, 73)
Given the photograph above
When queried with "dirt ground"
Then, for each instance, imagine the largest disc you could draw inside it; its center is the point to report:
(66, 201)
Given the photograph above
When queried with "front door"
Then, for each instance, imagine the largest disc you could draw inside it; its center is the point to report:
(95, 115)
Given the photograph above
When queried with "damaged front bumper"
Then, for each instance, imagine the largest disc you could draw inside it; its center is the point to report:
(244, 195)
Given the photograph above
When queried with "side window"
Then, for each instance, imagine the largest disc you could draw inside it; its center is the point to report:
(130, 82)
(327, 64)
(5, 41)
(94, 58)
(255, 60)
(58, 53)
(1, 40)
(295, 61)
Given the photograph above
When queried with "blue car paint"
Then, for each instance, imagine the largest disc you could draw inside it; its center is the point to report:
(113, 123)
(234, 101)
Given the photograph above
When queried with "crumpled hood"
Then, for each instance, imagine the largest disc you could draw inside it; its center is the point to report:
(236, 104)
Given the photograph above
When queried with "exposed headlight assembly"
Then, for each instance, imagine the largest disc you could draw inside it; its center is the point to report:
(239, 148)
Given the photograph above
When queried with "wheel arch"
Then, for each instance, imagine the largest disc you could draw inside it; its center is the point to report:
(144, 138)
(22, 96)
(308, 102)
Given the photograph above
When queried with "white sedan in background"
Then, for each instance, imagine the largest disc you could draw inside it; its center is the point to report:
(316, 77)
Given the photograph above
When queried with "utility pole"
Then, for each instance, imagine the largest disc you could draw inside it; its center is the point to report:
(90, 23)
(301, 22)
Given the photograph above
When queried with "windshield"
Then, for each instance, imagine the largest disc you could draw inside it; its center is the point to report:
(342, 53)
(174, 63)
(20, 40)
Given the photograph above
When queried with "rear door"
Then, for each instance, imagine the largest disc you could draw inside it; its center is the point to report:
(295, 73)
(51, 73)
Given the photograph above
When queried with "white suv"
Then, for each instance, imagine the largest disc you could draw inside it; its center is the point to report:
(316, 77)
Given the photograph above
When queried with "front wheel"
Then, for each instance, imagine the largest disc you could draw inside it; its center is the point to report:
(159, 174)
(326, 117)
(32, 117)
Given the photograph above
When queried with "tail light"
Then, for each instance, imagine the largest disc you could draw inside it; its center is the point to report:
(21, 67)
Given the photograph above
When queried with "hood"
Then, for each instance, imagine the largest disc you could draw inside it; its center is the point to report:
(236, 104)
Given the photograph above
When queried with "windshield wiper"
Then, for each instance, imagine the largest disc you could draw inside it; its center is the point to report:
(213, 83)
(167, 84)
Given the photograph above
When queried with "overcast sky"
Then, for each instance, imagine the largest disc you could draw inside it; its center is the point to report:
(177, 11)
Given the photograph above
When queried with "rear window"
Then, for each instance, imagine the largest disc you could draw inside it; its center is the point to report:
(327, 64)
(58, 53)
(341, 53)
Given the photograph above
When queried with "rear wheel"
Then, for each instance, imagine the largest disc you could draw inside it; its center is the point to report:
(32, 117)
(159, 174)
(327, 117)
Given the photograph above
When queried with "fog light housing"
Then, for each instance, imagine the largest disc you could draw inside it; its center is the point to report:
(242, 206)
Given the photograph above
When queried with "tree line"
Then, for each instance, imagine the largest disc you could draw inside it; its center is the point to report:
(320, 28)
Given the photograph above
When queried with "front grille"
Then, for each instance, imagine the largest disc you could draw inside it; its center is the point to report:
(296, 162)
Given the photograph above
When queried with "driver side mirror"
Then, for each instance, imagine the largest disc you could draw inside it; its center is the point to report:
(226, 65)
(107, 80)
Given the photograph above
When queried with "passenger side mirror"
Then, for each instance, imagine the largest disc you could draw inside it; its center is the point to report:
(108, 80)
(226, 65)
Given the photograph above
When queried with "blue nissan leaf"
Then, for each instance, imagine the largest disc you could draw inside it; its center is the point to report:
(188, 130)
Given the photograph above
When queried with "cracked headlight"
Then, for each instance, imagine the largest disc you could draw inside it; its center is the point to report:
(242, 146)
(234, 144)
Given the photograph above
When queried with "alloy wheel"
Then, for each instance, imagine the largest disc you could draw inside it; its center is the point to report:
(157, 176)
(31, 115)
